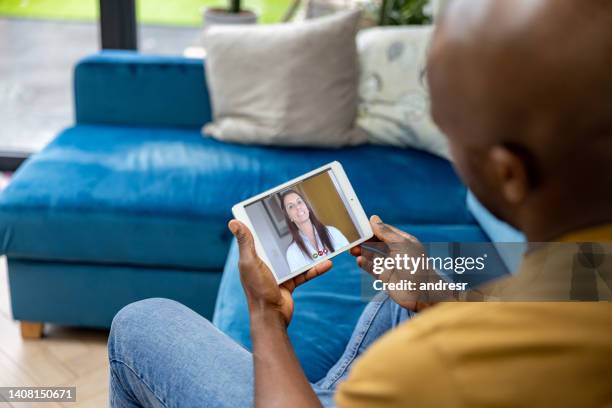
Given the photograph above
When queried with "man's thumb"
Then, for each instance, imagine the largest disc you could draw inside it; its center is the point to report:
(380, 229)
(243, 236)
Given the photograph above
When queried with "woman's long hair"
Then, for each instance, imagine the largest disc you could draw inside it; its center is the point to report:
(295, 231)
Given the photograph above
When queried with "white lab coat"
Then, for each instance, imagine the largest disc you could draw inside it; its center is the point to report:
(297, 259)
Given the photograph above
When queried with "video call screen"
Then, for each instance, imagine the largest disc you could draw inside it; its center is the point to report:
(303, 222)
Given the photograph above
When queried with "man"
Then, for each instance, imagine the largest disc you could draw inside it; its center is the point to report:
(522, 90)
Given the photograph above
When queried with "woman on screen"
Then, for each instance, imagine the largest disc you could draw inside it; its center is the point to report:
(311, 239)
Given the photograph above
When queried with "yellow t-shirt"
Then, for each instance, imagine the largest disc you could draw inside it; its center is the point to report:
(503, 354)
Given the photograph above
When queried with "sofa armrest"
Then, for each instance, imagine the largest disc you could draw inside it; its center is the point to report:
(127, 88)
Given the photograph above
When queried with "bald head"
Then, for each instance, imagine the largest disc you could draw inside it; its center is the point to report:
(523, 90)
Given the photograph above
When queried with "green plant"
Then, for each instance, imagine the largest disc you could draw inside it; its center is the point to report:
(402, 12)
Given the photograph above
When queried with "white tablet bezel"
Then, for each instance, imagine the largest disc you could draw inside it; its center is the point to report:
(344, 184)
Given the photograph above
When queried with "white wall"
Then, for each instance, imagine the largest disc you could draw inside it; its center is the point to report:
(275, 246)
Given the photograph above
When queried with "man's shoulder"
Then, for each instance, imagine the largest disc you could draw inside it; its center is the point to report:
(456, 346)
(453, 332)
(506, 320)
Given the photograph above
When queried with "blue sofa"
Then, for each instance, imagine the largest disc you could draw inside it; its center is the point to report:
(132, 202)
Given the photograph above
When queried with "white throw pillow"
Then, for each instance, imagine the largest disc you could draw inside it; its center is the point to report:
(394, 102)
(285, 84)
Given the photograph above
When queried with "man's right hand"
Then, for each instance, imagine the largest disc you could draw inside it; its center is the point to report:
(396, 242)
(262, 292)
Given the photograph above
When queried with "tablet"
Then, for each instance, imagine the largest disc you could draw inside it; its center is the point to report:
(305, 221)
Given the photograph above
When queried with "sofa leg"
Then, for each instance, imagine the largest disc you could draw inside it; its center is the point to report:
(31, 330)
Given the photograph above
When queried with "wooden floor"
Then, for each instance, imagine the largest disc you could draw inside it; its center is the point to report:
(70, 357)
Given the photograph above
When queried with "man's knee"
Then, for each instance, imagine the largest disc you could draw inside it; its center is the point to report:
(137, 322)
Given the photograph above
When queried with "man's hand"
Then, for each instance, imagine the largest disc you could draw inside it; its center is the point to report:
(262, 292)
(279, 378)
(392, 242)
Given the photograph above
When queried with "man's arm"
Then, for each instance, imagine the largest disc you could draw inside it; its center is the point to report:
(279, 378)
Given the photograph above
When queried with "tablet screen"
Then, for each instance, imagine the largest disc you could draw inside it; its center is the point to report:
(303, 222)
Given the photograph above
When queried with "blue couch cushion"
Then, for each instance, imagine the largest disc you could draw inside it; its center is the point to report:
(327, 308)
(162, 196)
(129, 88)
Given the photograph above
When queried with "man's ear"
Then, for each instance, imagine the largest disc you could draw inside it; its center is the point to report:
(511, 174)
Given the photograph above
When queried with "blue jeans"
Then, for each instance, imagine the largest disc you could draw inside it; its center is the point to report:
(163, 354)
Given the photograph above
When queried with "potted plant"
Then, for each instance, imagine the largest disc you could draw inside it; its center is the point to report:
(232, 15)
(402, 12)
